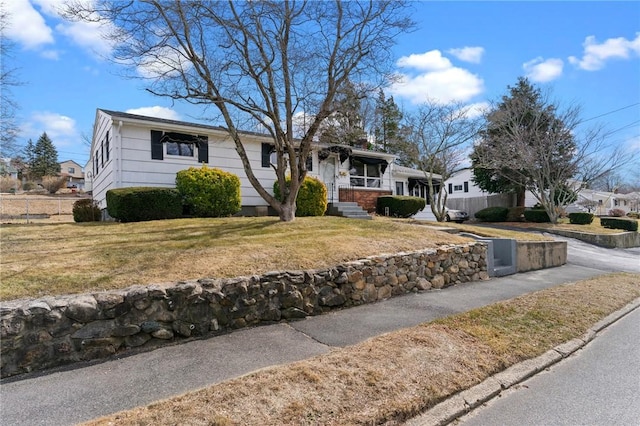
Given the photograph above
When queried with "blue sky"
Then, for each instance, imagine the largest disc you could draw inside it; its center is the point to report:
(585, 52)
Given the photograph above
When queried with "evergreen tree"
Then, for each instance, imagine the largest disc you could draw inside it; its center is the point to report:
(44, 161)
(390, 135)
(29, 159)
(530, 143)
(511, 143)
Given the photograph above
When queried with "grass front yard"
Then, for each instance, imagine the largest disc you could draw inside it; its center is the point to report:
(48, 259)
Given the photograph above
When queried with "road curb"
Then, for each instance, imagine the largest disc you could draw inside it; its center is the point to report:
(469, 399)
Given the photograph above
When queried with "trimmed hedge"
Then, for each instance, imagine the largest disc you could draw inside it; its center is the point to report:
(138, 204)
(581, 218)
(312, 196)
(536, 215)
(633, 215)
(400, 205)
(619, 223)
(493, 214)
(209, 192)
(86, 210)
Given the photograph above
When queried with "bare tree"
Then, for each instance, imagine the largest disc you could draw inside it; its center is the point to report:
(532, 141)
(440, 136)
(256, 61)
(9, 128)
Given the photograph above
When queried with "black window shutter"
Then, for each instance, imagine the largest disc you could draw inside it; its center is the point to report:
(203, 149)
(450, 188)
(156, 145)
(107, 146)
(466, 187)
(266, 155)
(310, 163)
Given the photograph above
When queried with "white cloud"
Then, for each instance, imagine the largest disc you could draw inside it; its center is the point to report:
(596, 54)
(477, 109)
(633, 144)
(162, 63)
(437, 80)
(155, 111)
(468, 54)
(26, 26)
(88, 35)
(542, 71)
(54, 55)
(61, 129)
(429, 61)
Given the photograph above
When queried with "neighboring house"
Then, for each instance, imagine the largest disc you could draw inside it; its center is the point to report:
(8, 169)
(74, 174)
(465, 195)
(132, 150)
(601, 202)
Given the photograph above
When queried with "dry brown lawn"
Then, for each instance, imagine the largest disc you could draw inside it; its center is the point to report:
(48, 259)
(393, 377)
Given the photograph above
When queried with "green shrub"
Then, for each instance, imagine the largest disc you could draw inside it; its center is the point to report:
(493, 214)
(619, 223)
(400, 205)
(536, 215)
(312, 196)
(86, 210)
(29, 186)
(137, 204)
(209, 192)
(515, 214)
(581, 218)
(633, 215)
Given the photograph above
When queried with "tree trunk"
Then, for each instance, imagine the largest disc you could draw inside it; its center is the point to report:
(520, 196)
(287, 211)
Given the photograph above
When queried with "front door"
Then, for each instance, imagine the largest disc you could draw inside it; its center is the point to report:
(328, 176)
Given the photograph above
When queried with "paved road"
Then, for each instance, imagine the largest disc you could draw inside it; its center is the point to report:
(613, 260)
(598, 385)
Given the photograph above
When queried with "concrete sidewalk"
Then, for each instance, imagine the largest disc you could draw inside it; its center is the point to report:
(88, 391)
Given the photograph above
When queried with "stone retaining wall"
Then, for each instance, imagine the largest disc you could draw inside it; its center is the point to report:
(43, 333)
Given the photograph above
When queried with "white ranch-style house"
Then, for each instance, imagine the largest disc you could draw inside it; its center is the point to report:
(130, 150)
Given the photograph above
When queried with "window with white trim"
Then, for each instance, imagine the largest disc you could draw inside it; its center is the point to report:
(365, 175)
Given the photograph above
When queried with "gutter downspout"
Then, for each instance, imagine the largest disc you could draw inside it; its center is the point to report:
(118, 147)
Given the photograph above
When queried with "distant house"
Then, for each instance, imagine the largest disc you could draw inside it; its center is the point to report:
(601, 202)
(132, 150)
(8, 169)
(465, 195)
(74, 174)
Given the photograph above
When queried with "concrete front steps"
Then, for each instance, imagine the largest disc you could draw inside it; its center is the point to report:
(347, 209)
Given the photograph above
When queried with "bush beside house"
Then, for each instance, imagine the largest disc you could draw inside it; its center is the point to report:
(209, 192)
(86, 210)
(312, 197)
(399, 205)
(492, 214)
(136, 204)
(536, 215)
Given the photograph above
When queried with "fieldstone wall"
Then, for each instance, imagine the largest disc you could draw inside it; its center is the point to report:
(42, 333)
